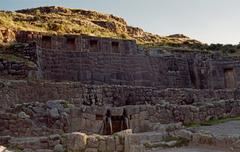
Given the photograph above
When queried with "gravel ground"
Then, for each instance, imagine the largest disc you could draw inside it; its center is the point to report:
(190, 149)
(231, 128)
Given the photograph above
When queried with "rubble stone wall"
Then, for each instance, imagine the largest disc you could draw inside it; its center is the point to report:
(57, 117)
(144, 118)
(24, 50)
(16, 92)
(74, 142)
(14, 69)
(34, 119)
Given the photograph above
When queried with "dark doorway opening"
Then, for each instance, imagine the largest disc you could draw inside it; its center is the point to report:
(71, 43)
(229, 78)
(94, 45)
(115, 47)
(116, 123)
(46, 42)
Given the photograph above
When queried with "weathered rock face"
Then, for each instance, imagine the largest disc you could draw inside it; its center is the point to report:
(6, 35)
(112, 26)
(135, 32)
(76, 141)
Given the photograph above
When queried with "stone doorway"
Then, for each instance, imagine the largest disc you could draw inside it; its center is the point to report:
(229, 78)
(116, 123)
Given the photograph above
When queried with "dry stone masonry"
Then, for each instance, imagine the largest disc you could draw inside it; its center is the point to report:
(62, 103)
(97, 60)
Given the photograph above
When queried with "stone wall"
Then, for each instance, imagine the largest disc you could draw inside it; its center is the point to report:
(225, 74)
(98, 60)
(18, 61)
(100, 68)
(144, 118)
(146, 106)
(78, 43)
(28, 36)
(72, 142)
(24, 50)
(193, 70)
(34, 119)
(14, 69)
(209, 71)
(57, 117)
(13, 92)
(94, 143)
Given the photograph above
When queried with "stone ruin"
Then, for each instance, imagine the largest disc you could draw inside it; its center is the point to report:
(95, 60)
(79, 78)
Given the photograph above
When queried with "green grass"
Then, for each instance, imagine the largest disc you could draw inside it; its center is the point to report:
(85, 22)
(213, 122)
(14, 148)
(79, 22)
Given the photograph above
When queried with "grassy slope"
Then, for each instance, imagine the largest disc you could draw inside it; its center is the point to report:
(62, 20)
(59, 20)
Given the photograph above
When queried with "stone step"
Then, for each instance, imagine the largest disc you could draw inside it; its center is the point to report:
(136, 142)
(141, 138)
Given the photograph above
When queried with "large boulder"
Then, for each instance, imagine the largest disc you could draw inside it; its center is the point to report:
(58, 148)
(54, 113)
(124, 133)
(76, 142)
(6, 35)
(23, 115)
(4, 149)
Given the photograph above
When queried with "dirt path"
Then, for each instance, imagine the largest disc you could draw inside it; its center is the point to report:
(231, 128)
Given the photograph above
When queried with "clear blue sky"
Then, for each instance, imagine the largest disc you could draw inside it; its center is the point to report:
(210, 21)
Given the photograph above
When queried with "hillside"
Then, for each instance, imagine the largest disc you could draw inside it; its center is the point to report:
(59, 20)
